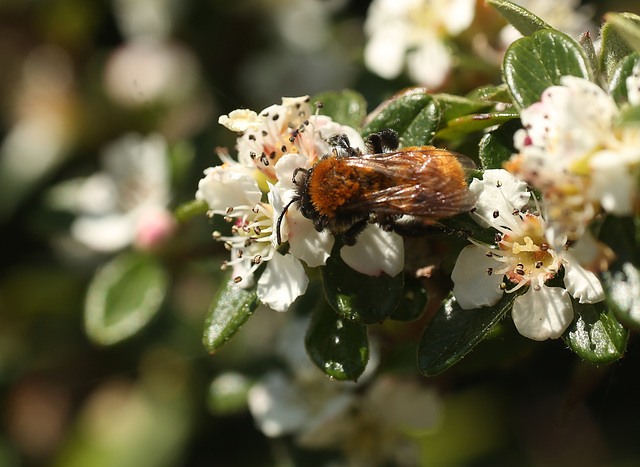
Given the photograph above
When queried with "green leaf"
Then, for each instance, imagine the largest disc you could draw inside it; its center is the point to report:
(471, 123)
(590, 53)
(413, 301)
(523, 20)
(615, 46)
(628, 26)
(453, 106)
(347, 107)
(124, 295)
(595, 334)
(338, 347)
(621, 282)
(496, 147)
(413, 113)
(491, 94)
(186, 211)
(618, 81)
(453, 332)
(630, 116)
(359, 297)
(229, 311)
(532, 64)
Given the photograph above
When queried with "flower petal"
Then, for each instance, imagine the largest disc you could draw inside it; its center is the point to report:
(277, 406)
(498, 192)
(222, 188)
(375, 252)
(543, 314)
(306, 243)
(282, 281)
(473, 287)
(582, 284)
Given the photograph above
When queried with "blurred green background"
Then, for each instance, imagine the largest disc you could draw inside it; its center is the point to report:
(157, 399)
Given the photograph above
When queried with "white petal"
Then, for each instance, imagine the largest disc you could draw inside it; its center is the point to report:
(107, 233)
(305, 242)
(222, 188)
(542, 314)
(375, 252)
(241, 120)
(473, 287)
(429, 65)
(277, 405)
(612, 185)
(582, 284)
(498, 191)
(282, 281)
(384, 52)
(458, 15)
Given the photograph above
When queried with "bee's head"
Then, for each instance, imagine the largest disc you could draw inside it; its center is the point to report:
(300, 178)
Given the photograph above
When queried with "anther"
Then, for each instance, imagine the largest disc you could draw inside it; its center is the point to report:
(503, 286)
(229, 210)
(538, 264)
(237, 279)
(496, 214)
(499, 184)
(257, 259)
(489, 271)
(544, 247)
(239, 253)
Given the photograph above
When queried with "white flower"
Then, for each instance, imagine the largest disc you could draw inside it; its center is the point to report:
(417, 29)
(132, 191)
(526, 257)
(287, 128)
(368, 420)
(236, 195)
(572, 149)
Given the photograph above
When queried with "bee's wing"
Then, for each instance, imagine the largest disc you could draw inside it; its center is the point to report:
(424, 183)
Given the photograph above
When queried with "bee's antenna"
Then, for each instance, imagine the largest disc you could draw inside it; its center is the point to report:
(279, 223)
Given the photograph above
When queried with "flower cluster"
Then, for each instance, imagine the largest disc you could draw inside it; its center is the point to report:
(574, 149)
(252, 192)
(522, 256)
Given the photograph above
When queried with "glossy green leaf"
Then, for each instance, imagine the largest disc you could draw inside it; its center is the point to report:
(358, 297)
(453, 106)
(496, 147)
(595, 334)
(621, 281)
(347, 107)
(523, 20)
(614, 46)
(532, 64)
(413, 301)
(453, 332)
(413, 113)
(628, 26)
(124, 295)
(338, 347)
(618, 81)
(461, 126)
(491, 94)
(192, 208)
(229, 311)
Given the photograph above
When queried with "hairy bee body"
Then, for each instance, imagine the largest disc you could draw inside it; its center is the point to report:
(402, 191)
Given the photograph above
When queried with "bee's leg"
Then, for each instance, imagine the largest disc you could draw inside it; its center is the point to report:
(352, 232)
(420, 228)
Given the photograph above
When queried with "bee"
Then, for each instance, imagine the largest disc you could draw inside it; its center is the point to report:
(404, 191)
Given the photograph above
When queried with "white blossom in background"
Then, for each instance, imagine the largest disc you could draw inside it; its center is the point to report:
(367, 421)
(254, 191)
(126, 202)
(526, 257)
(573, 150)
(414, 34)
